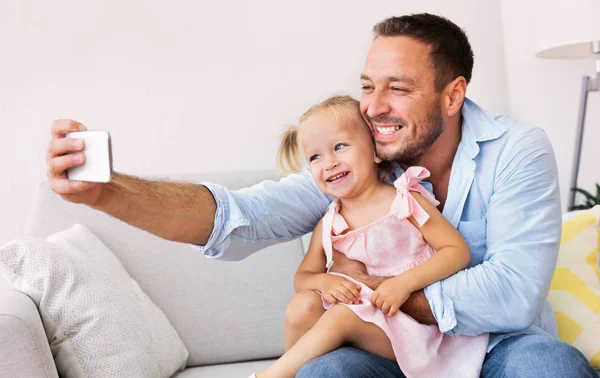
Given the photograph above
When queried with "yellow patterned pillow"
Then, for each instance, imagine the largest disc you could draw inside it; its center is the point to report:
(575, 289)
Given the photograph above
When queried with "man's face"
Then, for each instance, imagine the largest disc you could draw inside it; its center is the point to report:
(399, 102)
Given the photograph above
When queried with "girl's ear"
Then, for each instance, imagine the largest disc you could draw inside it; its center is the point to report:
(376, 158)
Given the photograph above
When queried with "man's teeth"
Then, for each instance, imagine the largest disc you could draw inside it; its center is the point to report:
(337, 177)
(388, 130)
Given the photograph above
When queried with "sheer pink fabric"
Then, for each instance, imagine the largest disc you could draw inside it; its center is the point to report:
(388, 247)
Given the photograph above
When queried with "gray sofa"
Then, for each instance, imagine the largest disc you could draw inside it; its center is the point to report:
(229, 314)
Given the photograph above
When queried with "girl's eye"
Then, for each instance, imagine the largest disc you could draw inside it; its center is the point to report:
(313, 158)
(339, 146)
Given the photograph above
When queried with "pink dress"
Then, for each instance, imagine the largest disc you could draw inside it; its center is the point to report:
(388, 247)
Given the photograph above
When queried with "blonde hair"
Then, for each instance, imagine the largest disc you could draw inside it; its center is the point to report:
(289, 158)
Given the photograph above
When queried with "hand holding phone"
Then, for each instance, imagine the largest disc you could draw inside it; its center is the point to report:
(98, 157)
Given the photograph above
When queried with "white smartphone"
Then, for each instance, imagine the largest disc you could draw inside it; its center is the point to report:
(98, 157)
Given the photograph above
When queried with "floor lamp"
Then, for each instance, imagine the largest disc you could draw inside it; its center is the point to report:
(571, 30)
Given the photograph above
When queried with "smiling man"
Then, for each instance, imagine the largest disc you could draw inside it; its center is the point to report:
(495, 177)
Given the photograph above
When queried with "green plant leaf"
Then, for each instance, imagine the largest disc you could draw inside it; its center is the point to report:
(589, 200)
(587, 194)
(578, 207)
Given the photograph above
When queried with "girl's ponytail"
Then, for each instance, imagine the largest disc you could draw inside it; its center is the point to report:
(288, 155)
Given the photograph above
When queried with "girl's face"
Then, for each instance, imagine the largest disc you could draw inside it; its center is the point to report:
(340, 154)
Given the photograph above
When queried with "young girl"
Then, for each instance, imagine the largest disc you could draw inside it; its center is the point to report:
(396, 231)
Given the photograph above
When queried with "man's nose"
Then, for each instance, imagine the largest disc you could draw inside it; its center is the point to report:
(378, 104)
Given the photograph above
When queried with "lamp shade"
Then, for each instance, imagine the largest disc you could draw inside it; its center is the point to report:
(565, 29)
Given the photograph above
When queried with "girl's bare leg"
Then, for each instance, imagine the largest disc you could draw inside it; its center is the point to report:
(302, 313)
(338, 326)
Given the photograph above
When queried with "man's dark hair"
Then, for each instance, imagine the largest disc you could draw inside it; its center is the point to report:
(451, 54)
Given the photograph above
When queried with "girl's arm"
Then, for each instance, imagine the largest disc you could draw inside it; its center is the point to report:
(313, 264)
(452, 255)
(311, 274)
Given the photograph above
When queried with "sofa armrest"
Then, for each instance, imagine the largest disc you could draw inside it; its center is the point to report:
(24, 349)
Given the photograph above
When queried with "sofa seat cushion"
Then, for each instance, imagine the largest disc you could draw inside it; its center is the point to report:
(236, 370)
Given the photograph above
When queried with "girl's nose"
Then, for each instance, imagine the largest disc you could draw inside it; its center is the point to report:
(331, 162)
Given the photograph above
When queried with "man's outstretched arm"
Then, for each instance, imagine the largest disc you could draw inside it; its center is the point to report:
(181, 212)
(225, 224)
(174, 211)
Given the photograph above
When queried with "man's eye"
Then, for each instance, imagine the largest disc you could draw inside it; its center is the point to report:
(396, 89)
(339, 146)
(313, 158)
(365, 87)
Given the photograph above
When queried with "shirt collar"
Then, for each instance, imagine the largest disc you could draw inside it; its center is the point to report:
(478, 126)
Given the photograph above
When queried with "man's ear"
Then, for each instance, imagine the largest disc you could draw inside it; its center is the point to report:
(454, 95)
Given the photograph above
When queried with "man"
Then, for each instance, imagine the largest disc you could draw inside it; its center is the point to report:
(496, 180)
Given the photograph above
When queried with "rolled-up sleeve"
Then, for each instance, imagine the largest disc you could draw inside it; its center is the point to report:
(270, 212)
(508, 290)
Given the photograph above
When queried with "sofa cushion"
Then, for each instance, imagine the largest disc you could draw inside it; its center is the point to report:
(223, 311)
(575, 289)
(236, 370)
(98, 321)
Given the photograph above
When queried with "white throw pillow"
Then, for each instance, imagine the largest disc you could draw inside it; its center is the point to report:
(98, 321)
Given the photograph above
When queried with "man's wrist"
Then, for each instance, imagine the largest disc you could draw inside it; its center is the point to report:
(355, 270)
(372, 282)
(418, 308)
(111, 190)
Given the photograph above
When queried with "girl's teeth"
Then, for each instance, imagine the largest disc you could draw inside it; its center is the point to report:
(388, 130)
(337, 177)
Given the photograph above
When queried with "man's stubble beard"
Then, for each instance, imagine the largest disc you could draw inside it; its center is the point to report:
(412, 154)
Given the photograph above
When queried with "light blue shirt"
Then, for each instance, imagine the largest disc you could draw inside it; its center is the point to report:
(503, 197)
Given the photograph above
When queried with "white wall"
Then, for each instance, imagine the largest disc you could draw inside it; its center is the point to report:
(546, 93)
(191, 86)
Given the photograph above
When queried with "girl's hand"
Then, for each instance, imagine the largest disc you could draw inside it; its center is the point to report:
(391, 295)
(337, 289)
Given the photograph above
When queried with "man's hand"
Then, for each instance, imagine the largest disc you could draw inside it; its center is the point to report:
(344, 265)
(354, 269)
(63, 154)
